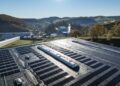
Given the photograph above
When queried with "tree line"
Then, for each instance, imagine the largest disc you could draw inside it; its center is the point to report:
(97, 31)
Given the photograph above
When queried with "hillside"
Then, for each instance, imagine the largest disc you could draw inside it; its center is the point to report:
(110, 25)
(11, 24)
(75, 21)
(40, 24)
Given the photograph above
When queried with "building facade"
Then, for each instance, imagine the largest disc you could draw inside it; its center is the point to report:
(63, 31)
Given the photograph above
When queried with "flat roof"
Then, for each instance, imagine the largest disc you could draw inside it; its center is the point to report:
(102, 63)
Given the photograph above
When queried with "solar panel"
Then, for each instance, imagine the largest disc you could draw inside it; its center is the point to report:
(12, 64)
(102, 78)
(8, 68)
(10, 72)
(12, 67)
(7, 61)
(74, 56)
(23, 50)
(71, 54)
(66, 80)
(63, 51)
(97, 65)
(56, 78)
(7, 64)
(50, 73)
(88, 77)
(67, 53)
(90, 63)
(42, 66)
(80, 58)
(31, 63)
(85, 60)
(46, 70)
(114, 81)
(40, 63)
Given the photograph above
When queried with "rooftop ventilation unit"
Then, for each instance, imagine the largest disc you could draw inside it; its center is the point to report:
(60, 58)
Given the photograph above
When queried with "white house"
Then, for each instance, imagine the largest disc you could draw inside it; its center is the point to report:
(63, 31)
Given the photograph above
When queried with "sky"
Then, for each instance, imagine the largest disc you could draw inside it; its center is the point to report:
(60, 8)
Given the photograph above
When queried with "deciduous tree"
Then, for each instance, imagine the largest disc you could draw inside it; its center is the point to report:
(75, 33)
(96, 31)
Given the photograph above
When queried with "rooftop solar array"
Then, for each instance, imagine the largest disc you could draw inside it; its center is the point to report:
(103, 74)
(103, 68)
(51, 74)
(23, 50)
(7, 64)
(88, 61)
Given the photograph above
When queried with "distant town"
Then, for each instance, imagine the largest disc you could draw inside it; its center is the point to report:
(105, 30)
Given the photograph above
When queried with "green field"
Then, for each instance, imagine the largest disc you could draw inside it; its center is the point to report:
(18, 43)
(28, 42)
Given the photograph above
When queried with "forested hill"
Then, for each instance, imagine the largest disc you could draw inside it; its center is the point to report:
(11, 24)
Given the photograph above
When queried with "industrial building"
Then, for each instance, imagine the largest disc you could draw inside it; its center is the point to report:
(65, 62)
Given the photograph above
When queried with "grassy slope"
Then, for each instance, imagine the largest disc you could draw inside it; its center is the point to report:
(18, 43)
(28, 42)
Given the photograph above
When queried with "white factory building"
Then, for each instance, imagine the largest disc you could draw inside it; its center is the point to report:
(62, 31)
